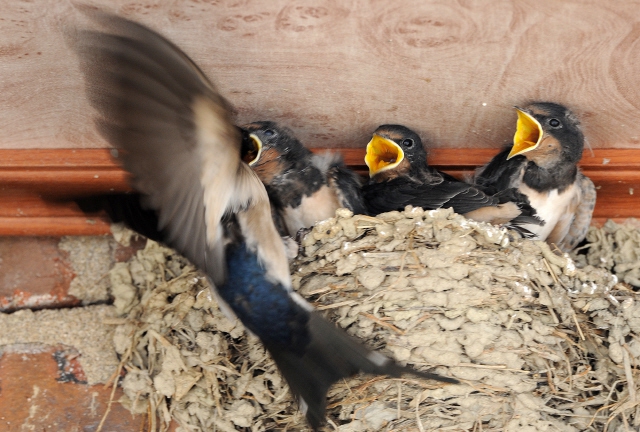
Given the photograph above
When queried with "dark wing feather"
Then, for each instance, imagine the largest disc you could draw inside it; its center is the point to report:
(401, 191)
(499, 173)
(528, 214)
(348, 184)
(126, 208)
(447, 177)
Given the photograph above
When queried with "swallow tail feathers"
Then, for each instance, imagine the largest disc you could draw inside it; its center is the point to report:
(330, 356)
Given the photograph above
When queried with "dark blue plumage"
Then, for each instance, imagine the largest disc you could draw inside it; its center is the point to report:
(264, 307)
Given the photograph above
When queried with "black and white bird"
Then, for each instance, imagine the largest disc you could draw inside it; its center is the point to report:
(401, 176)
(304, 188)
(542, 164)
(174, 136)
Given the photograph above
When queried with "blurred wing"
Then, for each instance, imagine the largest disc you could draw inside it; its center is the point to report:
(126, 208)
(174, 131)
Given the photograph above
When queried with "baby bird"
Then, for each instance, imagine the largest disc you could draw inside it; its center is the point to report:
(543, 165)
(304, 188)
(400, 176)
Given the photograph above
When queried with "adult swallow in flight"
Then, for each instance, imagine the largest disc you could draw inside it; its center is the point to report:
(542, 164)
(175, 137)
(400, 176)
(304, 188)
(128, 208)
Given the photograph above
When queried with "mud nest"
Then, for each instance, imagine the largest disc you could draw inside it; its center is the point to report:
(538, 342)
(615, 247)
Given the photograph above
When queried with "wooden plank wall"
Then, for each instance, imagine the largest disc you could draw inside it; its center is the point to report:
(33, 183)
(334, 69)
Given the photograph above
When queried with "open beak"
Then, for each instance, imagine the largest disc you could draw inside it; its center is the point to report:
(528, 134)
(382, 154)
(252, 154)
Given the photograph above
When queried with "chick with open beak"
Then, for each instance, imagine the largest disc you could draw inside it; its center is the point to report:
(542, 164)
(528, 134)
(400, 176)
(304, 188)
(391, 151)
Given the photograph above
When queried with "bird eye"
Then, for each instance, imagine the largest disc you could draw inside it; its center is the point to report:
(269, 133)
(554, 123)
(408, 143)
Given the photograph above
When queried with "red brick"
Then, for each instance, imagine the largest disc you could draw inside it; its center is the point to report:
(34, 273)
(33, 398)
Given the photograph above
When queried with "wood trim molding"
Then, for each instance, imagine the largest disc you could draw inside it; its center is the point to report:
(33, 184)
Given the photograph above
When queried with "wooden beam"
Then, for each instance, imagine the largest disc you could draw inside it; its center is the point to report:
(34, 184)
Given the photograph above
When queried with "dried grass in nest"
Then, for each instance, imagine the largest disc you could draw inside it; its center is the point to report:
(184, 359)
(537, 343)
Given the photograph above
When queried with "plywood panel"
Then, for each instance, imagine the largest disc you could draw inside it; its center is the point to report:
(335, 69)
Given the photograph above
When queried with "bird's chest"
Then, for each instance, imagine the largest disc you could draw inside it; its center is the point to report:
(551, 206)
(314, 208)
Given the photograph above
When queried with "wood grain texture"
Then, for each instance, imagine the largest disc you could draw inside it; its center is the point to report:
(333, 70)
(34, 184)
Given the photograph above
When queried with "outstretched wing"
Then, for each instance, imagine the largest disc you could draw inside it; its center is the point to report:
(174, 133)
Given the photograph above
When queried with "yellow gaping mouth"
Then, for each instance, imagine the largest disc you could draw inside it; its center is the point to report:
(528, 134)
(382, 154)
(252, 154)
